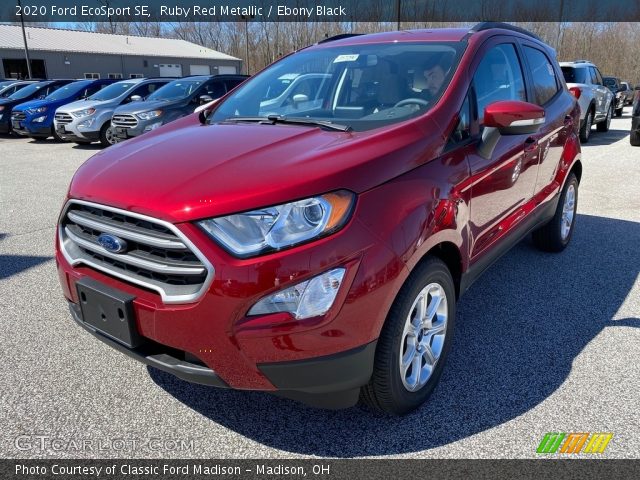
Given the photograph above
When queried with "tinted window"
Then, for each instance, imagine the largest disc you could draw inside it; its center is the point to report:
(176, 90)
(26, 91)
(216, 89)
(544, 76)
(598, 77)
(69, 90)
(498, 77)
(231, 84)
(575, 75)
(112, 91)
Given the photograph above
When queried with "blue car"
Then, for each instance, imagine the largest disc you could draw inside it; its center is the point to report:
(35, 118)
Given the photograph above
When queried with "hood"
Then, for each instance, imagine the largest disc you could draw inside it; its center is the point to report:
(84, 104)
(137, 107)
(31, 104)
(186, 171)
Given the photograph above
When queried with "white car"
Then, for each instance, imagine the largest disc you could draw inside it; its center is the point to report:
(584, 81)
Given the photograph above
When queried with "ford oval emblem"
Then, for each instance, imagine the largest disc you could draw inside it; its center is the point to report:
(111, 243)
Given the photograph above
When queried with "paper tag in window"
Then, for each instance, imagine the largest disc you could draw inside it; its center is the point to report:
(346, 58)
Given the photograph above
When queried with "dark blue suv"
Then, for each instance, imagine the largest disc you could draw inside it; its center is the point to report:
(35, 118)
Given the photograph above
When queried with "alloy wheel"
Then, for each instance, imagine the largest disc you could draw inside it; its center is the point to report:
(423, 337)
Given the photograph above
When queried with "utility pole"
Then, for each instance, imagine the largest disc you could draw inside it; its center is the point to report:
(246, 19)
(399, 10)
(24, 37)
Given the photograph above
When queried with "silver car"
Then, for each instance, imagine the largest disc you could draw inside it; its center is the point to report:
(585, 81)
(89, 120)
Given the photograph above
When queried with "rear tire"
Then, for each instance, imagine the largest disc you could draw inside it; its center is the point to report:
(414, 342)
(634, 139)
(556, 235)
(619, 112)
(585, 128)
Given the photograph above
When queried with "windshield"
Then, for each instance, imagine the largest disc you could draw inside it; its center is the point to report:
(574, 75)
(112, 91)
(176, 90)
(359, 86)
(6, 84)
(67, 91)
(27, 91)
(610, 82)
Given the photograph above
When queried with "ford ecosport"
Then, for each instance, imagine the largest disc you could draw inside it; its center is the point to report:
(317, 248)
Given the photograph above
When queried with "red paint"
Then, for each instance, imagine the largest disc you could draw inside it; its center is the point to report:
(413, 194)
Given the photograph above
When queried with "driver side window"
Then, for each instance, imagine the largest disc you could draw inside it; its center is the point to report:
(498, 77)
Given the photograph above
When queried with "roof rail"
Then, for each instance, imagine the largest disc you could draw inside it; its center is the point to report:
(479, 27)
(339, 37)
(581, 61)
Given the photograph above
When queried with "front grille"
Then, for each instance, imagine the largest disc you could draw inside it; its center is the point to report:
(63, 118)
(158, 256)
(124, 121)
(19, 116)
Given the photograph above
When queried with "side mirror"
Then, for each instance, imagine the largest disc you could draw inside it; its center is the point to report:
(205, 99)
(300, 98)
(203, 116)
(510, 117)
(136, 98)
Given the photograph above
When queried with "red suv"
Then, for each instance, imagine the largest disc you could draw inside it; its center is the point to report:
(315, 247)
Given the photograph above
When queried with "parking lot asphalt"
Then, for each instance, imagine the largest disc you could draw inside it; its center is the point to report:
(543, 343)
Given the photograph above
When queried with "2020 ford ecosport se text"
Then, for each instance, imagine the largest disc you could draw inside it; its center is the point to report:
(318, 251)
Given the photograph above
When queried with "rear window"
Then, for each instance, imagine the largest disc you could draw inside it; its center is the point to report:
(575, 75)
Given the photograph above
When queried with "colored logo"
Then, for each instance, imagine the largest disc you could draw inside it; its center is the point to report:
(574, 442)
(111, 243)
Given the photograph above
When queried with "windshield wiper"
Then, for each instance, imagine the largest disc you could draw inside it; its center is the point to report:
(273, 119)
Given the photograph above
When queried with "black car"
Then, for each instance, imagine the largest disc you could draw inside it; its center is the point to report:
(175, 100)
(614, 84)
(634, 138)
(31, 92)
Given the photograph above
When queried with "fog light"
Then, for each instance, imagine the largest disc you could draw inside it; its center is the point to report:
(153, 126)
(304, 300)
(86, 123)
(39, 119)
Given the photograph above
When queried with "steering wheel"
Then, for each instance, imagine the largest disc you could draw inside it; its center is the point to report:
(412, 101)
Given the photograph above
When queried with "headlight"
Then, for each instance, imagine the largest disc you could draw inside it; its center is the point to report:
(37, 110)
(274, 228)
(304, 300)
(84, 113)
(39, 119)
(149, 115)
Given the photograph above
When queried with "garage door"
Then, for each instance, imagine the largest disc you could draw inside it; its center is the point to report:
(200, 69)
(168, 70)
(226, 70)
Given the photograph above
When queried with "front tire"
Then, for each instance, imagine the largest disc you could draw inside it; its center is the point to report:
(106, 135)
(414, 342)
(606, 123)
(634, 138)
(556, 235)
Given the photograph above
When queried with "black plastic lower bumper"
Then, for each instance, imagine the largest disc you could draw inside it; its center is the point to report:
(163, 361)
(332, 381)
(87, 137)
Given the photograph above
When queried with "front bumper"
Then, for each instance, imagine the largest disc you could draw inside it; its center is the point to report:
(314, 357)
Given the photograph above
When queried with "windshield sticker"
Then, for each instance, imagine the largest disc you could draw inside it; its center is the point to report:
(346, 58)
